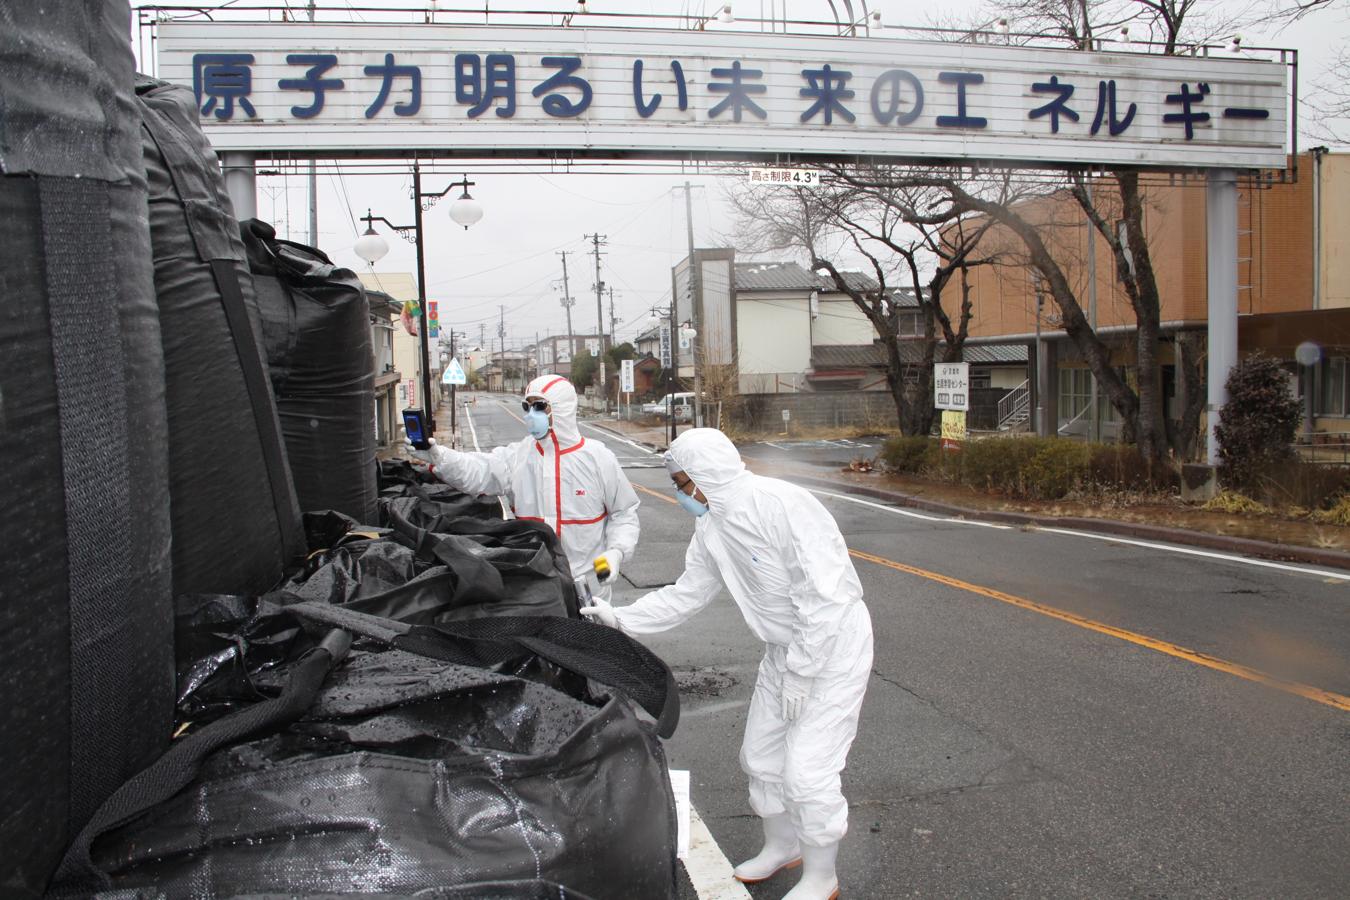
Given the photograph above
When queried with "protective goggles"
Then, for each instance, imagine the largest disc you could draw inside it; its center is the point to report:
(536, 405)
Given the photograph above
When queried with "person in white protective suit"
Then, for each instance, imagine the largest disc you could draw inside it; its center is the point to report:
(557, 477)
(780, 555)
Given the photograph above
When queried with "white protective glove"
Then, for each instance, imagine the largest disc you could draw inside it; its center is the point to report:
(435, 455)
(796, 689)
(614, 558)
(600, 611)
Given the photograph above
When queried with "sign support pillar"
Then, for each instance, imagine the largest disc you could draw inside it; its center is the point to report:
(1221, 229)
(241, 183)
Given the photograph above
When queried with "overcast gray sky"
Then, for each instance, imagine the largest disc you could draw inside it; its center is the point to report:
(510, 258)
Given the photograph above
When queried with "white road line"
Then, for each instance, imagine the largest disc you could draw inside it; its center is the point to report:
(612, 436)
(774, 446)
(1208, 554)
(708, 868)
(911, 514)
(472, 430)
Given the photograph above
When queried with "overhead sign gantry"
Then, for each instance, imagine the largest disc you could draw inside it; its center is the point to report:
(369, 89)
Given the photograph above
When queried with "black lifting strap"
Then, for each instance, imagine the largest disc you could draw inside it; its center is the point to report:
(259, 393)
(176, 768)
(586, 648)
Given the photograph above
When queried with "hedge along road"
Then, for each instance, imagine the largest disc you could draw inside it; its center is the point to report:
(1048, 715)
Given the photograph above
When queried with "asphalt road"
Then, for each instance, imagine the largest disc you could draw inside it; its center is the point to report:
(1051, 714)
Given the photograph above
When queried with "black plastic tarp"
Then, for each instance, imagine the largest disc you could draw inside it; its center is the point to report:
(236, 523)
(316, 337)
(86, 645)
(410, 774)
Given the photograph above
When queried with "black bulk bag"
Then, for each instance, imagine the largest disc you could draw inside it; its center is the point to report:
(401, 765)
(86, 633)
(409, 774)
(316, 337)
(236, 523)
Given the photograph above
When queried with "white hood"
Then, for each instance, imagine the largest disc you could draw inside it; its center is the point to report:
(562, 398)
(708, 457)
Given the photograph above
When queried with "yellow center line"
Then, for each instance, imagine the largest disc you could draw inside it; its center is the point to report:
(1329, 698)
(657, 495)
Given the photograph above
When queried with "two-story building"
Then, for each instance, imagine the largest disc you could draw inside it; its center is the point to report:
(1293, 288)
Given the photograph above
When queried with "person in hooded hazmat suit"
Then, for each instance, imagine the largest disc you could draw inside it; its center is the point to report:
(780, 555)
(557, 477)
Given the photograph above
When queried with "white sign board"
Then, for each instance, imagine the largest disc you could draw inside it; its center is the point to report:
(665, 346)
(951, 386)
(784, 177)
(626, 376)
(454, 373)
(341, 89)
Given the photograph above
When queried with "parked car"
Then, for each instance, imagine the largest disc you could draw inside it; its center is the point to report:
(683, 404)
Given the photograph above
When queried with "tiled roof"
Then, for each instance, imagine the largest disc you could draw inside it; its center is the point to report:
(861, 356)
(789, 276)
(775, 276)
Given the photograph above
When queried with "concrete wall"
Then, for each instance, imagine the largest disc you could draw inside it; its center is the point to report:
(845, 409)
(837, 409)
(774, 333)
(840, 323)
(1335, 230)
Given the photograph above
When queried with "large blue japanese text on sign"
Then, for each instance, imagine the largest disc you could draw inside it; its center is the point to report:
(357, 89)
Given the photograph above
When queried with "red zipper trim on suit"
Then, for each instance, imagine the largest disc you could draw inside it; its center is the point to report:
(585, 521)
(557, 484)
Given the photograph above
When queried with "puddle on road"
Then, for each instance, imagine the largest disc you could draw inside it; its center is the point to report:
(703, 681)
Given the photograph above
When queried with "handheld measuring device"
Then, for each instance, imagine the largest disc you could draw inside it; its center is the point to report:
(415, 424)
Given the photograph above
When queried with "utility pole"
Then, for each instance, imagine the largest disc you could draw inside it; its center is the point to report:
(501, 339)
(598, 241)
(567, 303)
(613, 321)
(695, 304)
(482, 334)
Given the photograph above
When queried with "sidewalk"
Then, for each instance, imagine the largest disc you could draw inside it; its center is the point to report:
(874, 486)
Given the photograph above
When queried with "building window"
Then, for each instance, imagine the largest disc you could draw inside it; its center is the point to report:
(1331, 400)
(981, 378)
(1075, 396)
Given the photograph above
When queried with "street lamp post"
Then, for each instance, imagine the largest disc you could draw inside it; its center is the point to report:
(372, 248)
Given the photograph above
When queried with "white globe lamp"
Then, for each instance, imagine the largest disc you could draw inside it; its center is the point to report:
(371, 247)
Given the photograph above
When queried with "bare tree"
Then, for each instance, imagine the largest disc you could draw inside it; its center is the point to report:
(1329, 100)
(878, 221)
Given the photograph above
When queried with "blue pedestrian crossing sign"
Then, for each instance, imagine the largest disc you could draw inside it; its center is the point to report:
(453, 374)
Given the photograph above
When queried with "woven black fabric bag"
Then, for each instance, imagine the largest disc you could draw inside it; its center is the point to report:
(316, 336)
(86, 634)
(236, 523)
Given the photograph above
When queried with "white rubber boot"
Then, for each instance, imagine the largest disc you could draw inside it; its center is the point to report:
(819, 881)
(781, 851)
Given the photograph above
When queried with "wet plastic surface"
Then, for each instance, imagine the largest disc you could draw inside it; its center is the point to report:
(412, 773)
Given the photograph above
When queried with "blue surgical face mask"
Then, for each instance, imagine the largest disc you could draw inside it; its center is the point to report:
(537, 423)
(692, 506)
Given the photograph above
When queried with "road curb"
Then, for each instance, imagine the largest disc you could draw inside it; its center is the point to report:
(1185, 537)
